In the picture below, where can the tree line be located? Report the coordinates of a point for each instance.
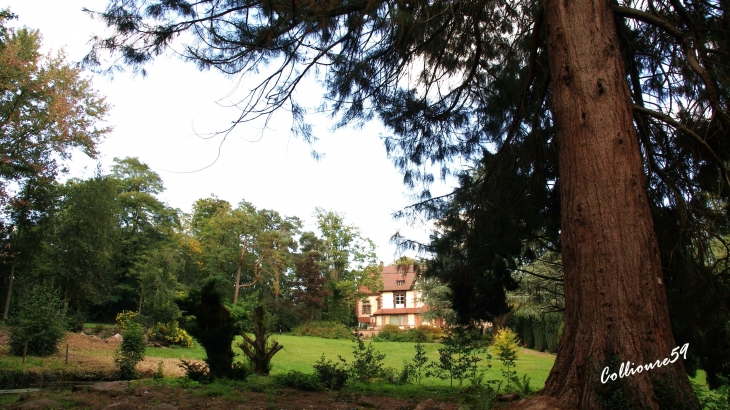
(108, 244)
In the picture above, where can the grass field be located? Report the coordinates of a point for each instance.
(301, 352)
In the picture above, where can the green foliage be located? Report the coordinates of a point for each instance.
(332, 375)
(159, 374)
(170, 333)
(260, 350)
(210, 323)
(82, 241)
(126, 318)
(458, 358)
(367, 362)
(327, 330)
(392, 333)
(505, 344)
(241, 311)
(298, 380)
(717, 399)
(48, 109)
(131, 351)
(239, 371)
(38, 320)
(419, 363)
(75, 320)
(196, 371)
(433, 332)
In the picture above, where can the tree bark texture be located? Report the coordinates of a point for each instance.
(615, 303)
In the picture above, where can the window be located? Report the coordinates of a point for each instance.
(366, 308)
(400, 283)
(398, 320)
(400, 299)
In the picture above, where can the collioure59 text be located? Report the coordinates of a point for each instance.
(627, 370)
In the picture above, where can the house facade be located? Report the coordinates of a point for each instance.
(399, 303)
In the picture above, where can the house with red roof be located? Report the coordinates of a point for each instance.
(399, 303)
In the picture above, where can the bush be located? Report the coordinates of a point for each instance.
(131, 351)
(195, 371)
(170, 333)
(125, 317)
(458, 358)
(298, 380)
(239, 371)
(433, 332)
(505, 344)
(330, 374)
(326, 330)
(391, 333)
(212, 326)
(75, 320)
(38, 320)
(416, 336)
(367, 362)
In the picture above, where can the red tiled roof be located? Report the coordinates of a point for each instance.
(401, 311)
(391, 276)
(363, 320)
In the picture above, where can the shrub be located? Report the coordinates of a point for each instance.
(331, 374)
(212, 326)
(367, 362)
(391, 333)
(326, 330)
(38, 320)
(458, 358)
(125, 317)
(170, 333)
(98, 328)
(418, 364)
(159, 374)
(433, 332)
(416, 336)
(195, 371)
(505, 344)
(131, 351)
(298, 380)
(75, 320)
(239, 371)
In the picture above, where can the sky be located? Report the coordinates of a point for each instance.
(165, 117)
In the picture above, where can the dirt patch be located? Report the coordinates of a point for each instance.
(145, 397)
(170, 368)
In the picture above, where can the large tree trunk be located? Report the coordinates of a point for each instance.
(615, 303)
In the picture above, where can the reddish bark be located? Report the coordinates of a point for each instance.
(615, 302)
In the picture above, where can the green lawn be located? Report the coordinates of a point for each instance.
(301, 352)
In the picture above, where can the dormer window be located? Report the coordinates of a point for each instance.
(400, 283)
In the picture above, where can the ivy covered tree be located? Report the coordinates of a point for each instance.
(610, 115)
